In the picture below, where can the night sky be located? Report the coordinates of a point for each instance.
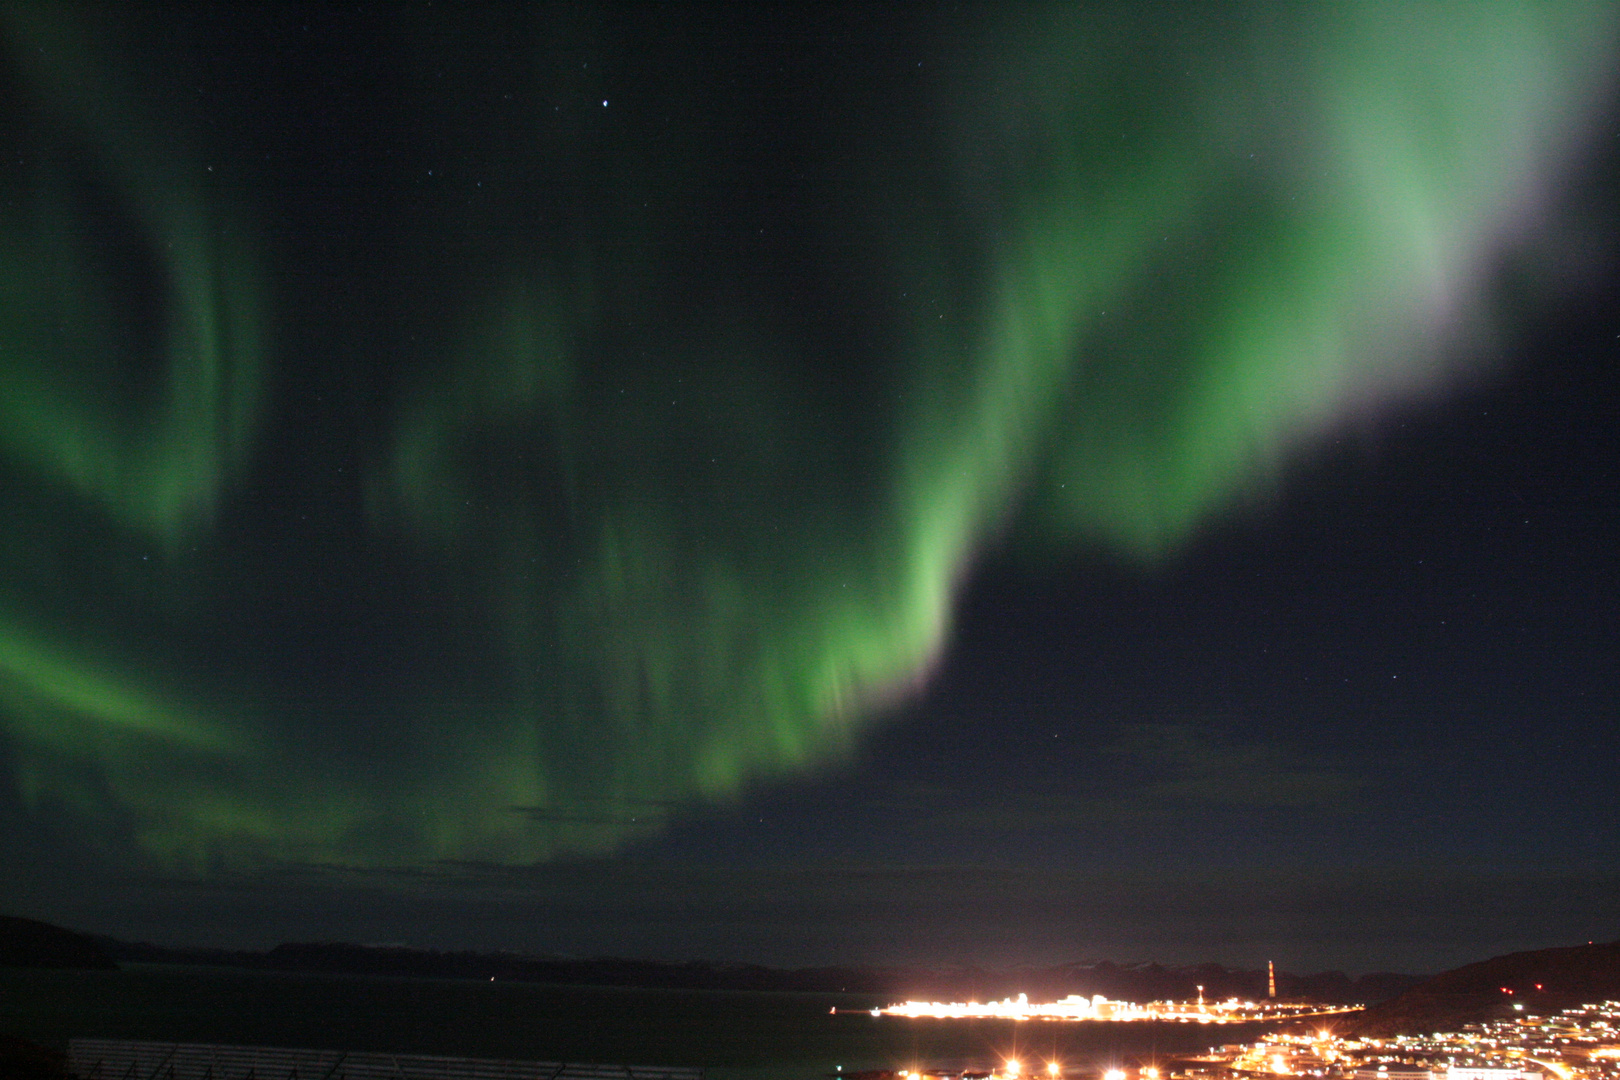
(803, 484)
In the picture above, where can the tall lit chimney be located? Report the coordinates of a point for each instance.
(1271, 979)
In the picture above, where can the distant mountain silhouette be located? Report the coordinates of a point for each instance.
(29, 943)
(34, 944)
(1130, 982)
(1156, 982)
(1542, 981)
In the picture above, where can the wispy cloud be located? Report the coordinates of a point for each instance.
(1147, 773)
(1192, 767)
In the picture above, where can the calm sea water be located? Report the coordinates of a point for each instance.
(734, 1035)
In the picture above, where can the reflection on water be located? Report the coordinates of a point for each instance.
(732, 1034)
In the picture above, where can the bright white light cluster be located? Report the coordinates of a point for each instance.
(1576, 1044)
(1097, 1007)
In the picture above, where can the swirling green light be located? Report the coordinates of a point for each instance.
(620, 550)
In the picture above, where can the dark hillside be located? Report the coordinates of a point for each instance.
(30, 943)
(1543, 981)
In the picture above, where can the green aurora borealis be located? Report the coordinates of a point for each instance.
(628, 443)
